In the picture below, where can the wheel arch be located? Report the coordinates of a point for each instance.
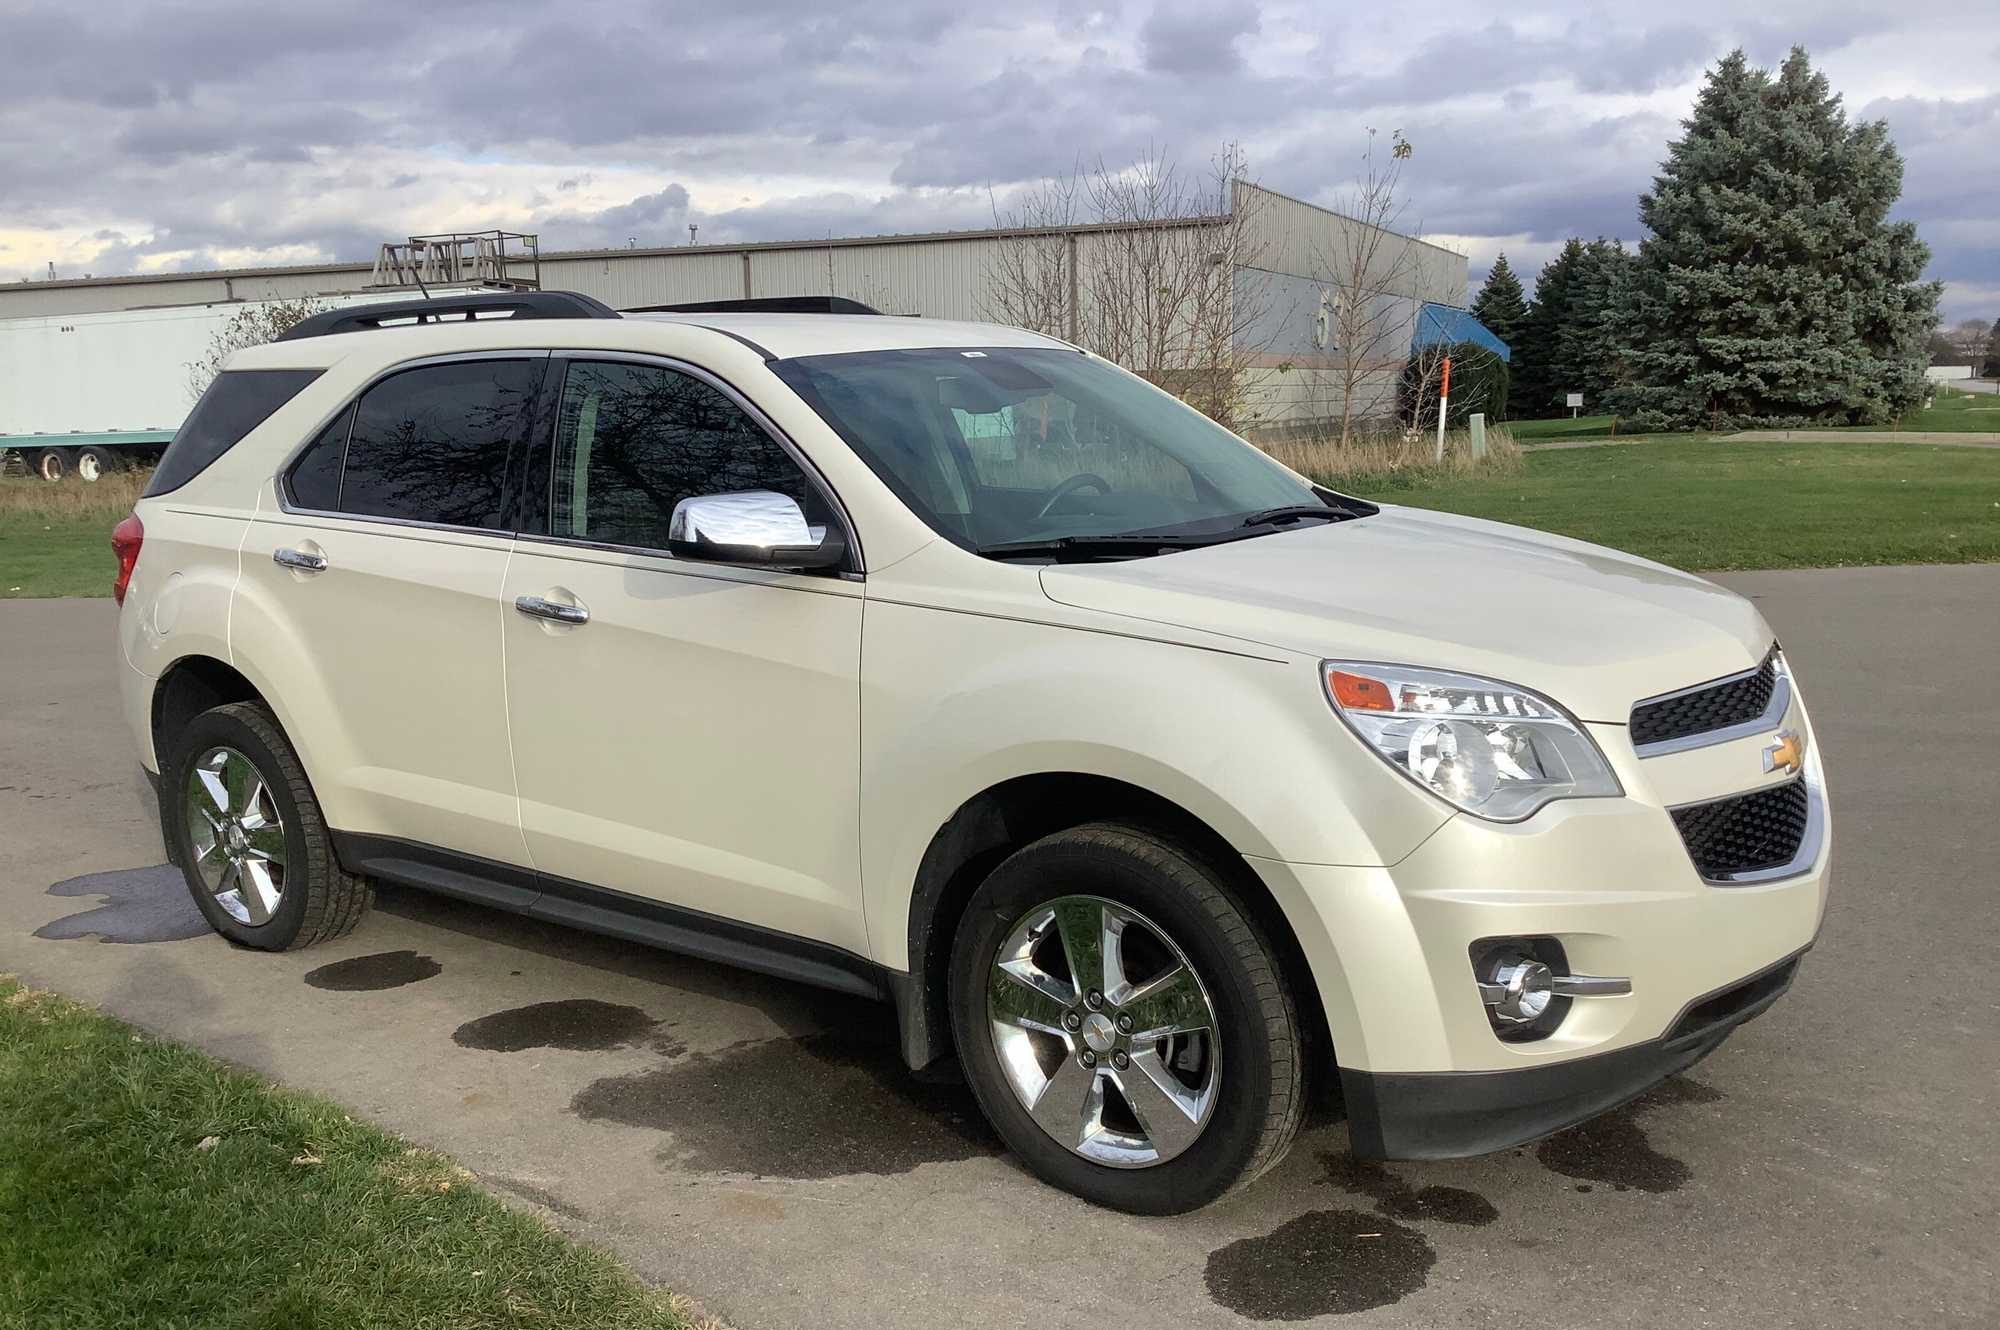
(191, 685)
(994, 823)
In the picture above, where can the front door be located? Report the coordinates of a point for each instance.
(684, 732)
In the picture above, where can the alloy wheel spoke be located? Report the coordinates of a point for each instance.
(1071, 1103)
(215, 787)
(1081, 922)
(255, 801)
(1168, 1112)
(267, 842)
(256, 889)
(1032, 999)
(241, 780)
(1172, 1003)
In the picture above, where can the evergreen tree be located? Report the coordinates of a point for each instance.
(1992, 352)
(1589, 347)
(1502, 305)
(1773, 289)
(1536, 389)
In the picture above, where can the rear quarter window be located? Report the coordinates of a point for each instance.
(237, 402)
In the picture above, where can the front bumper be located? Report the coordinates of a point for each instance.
(1448, 1115)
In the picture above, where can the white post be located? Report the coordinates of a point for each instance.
(1476, 423)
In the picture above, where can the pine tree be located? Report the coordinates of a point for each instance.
(1992, 352)
(1772, 288)
(1501, 306)
(1536, 387)
(1589, 348)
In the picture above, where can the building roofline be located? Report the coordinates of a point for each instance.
(644, 251)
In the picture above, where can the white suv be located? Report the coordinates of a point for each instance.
(952, 665)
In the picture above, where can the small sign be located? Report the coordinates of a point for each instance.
(1575, 400)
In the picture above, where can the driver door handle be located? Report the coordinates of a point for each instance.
(304, 561)
(541, 607)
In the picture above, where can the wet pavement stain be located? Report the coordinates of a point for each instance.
(541, 1196)
(1613, 1148)
(822, 1106)
(1399, 1200)
(578, 1025)
(368, 974)
(138, 905)
(1324, 1263)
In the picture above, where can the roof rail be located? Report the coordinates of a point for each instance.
(467, 308)
(763, 305)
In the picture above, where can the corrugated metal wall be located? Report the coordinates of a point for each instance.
(1291, 246)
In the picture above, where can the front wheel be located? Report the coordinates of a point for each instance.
(1122, 1021)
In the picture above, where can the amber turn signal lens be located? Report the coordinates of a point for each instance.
(1358, 692)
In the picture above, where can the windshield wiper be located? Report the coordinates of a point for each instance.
(1065, 549)
(1294, 512)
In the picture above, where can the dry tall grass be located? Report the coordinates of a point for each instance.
(1394, 459)
(109, 498)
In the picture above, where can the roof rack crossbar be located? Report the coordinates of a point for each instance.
(763, 305)
(466, 308)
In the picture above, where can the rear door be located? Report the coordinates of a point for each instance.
(374, 588)
(693, 736)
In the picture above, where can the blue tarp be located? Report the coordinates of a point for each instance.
(1446, 324)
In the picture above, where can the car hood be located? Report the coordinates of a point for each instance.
(1592, 628)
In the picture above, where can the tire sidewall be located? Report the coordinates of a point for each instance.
(1054, 868)
(220, 729)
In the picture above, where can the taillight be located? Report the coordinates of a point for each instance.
(126, 538)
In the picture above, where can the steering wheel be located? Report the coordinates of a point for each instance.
(1079, 481)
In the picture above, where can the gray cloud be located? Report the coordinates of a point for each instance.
(135, 133)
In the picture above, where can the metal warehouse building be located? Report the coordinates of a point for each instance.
(1277, 256)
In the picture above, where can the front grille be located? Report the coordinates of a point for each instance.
(1746, 832)
(1731, 702)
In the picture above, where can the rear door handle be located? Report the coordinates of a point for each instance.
(541, 607)
(300, 560)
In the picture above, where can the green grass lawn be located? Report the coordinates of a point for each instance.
(1541, 431)
(1709, 504)
(1952, 412)
(146, 1185)
(55, 540)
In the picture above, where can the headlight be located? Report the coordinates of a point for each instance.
(1488, 747)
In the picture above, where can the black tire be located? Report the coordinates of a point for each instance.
(320, 900)
(1260, 1096)
(51, 464)
(94, 463)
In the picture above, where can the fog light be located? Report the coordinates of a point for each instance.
(1518, 992)
(1526, 986)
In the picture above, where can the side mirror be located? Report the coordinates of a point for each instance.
(757, 528)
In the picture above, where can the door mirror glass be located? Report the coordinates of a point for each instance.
(757, 527)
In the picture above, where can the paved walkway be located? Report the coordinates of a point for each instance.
(1948, 438)
(757, 1145)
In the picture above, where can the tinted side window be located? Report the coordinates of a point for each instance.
(634, 440)
(431, 444)
(315, 478)
(237, 401)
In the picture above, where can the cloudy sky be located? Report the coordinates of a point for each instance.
(138, 137)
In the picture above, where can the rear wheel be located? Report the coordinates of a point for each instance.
(93, 463)
(243, 825)
(51, 464)
(1122, 1023)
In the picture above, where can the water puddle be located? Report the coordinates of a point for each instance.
(136, 905)
(368, 974)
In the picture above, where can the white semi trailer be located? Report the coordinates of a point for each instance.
(86, 394)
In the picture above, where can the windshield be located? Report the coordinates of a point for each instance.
(1007, 446)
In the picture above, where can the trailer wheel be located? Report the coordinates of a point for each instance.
(51, 464)
(93, 463)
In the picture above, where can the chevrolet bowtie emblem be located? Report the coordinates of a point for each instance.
(1788, 754)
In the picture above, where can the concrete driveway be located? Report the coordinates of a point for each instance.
(757, 1146)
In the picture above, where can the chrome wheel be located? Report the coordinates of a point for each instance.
(238, 835)
(1104, 1031)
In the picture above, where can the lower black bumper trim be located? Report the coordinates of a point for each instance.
(1453, 1114)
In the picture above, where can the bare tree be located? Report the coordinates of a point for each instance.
(1150, 265)
(253, 325)
(1375, 279)
(1968, 339)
